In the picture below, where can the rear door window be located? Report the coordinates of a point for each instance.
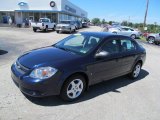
(127, 45)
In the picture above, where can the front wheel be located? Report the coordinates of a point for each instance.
(35, 30)
(151, 40)
(54, 28)
(133, 36)
(136, 71)
(46, 30)
(73, 88)
(157, 43)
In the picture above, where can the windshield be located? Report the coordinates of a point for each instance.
(65, 22)
(78, 43)
(43, 20)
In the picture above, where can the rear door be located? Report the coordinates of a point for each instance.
(128, 52)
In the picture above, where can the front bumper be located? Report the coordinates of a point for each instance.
(36, 88)
(40, 28)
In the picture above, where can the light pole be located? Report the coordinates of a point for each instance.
(146, 13)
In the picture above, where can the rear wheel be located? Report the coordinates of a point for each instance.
(115, 33)
(73, 88)
(57, 31)
(136, 71)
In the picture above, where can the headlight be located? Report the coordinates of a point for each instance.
(43, 72)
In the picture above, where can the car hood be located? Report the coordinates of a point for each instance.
(48, 56)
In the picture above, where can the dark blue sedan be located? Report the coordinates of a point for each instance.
(70, 66)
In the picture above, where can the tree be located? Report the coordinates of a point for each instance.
(103, 21)
(130, 24)
(96, 21)
(110, 22)
(124, 23)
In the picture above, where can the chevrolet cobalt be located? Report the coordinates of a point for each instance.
(70, 66)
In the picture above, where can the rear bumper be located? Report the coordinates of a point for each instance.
(36, 88)
(63, 29)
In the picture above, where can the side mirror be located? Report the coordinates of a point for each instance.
(101, 54)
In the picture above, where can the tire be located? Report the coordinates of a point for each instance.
(34, 30)
(70, 31)
(151, 40)
(57, 31)
(74, 30)
(133, 36)
(157, 43)
(46, 30)
(136, 71)
(73, 88)
(54, 28)
(114, 33)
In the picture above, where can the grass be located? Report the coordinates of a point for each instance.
(142, 38)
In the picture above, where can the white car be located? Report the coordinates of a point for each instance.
(127, 31)
(154, 38)
(66, 26)
(43, 24)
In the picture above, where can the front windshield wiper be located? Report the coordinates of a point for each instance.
(65, 49)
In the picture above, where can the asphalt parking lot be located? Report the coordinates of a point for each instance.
(118, 99)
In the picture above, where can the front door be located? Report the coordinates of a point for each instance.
(108, 67)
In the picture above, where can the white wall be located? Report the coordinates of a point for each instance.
(79, 11)
(11, 5)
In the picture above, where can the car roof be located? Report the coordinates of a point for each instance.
(103, 34)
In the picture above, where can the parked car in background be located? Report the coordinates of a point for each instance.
(154, 38)
(66, 26)
(43, 24)
(127, 31)
(78, 24)
(145, 34)
(70, 66)
(84, 24)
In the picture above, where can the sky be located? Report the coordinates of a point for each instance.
(120, 10)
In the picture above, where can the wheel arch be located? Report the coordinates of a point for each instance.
(140, 61)
(83, 74)
(151, 37)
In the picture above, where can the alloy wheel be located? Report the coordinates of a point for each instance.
(136, 70)
(75, 88)
(151, 40)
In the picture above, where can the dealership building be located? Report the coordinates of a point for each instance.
(57, 10)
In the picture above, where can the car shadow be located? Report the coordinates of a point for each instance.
(41, 31)
(94, 91)
(2, 52)
(69, 32)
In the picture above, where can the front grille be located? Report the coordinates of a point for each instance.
(21, 68)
